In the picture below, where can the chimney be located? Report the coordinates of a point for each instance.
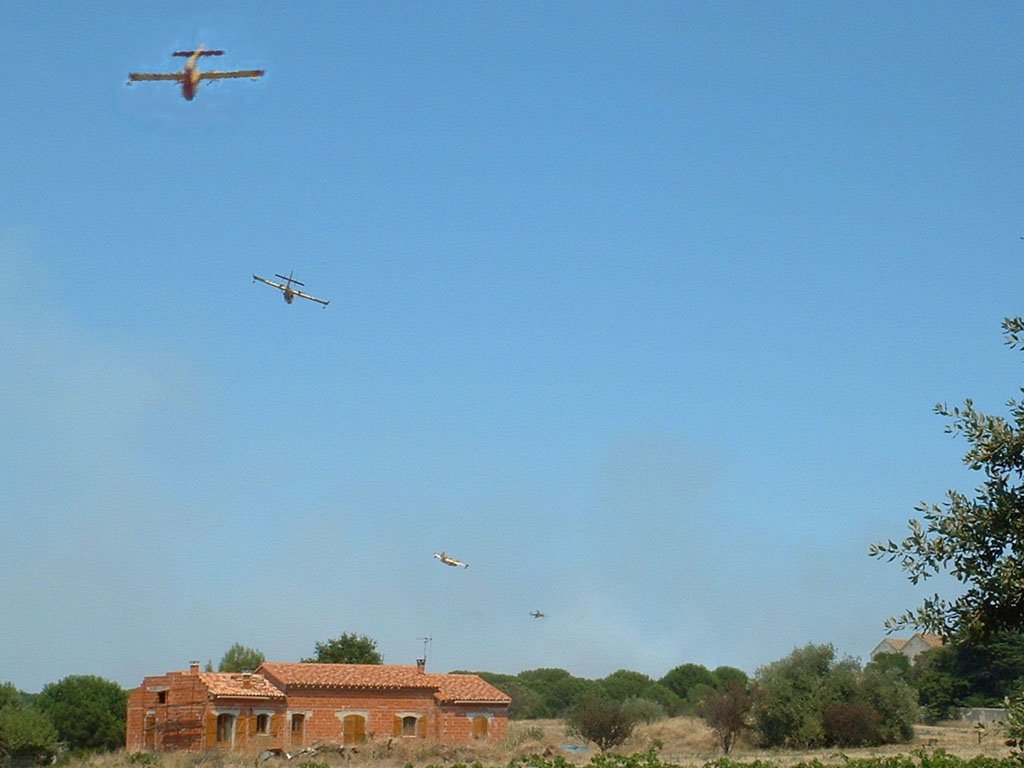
(247, 679)
(421, 665)
(193, 667)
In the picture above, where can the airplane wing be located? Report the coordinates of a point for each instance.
(269, 282)
(253, 73)
(156, 76)
(311, 298)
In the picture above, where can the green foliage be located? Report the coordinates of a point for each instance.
(897, 663)
(811, 700)
(970, 673)
(1013, 724)
(348, 649)
(145, 759)
(27, 732)
(600, 720)
(724, 675)
(312, 764)
(238, 658)
(894, 699)
(558, 690)
(9, 695)
(980, 540)
(88, 711)
(623, 684)
(641, 710)
(680, 680)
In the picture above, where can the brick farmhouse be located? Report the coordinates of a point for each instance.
(290, 706)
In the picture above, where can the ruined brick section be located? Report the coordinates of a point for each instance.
(290, 706)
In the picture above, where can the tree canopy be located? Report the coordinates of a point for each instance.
(238, 658)
(978, 540)
(350, 648)
(88, 711)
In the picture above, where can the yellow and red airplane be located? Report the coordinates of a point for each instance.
(447, 559)
(190, 76)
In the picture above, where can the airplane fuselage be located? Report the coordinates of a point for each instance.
(190, 83)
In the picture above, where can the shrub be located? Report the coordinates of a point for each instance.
(851, 725)
(641, 710)
(601, 721)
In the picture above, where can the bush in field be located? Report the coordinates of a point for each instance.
(795, 693)
(727, 713)
(641, 710)
(601, 721)
(851, 724)
(27, 732)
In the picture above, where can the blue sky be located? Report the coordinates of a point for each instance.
(639, 308)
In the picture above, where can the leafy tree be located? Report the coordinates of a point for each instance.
(640, 710)
(897, 663)
(88, 711)
(526, 703)
(723, 675)
(26, 732)
(979, 540)
(348, 649)
(727, 711)
(810, 699)
(939, 690)
(788, 708)
(600, 720)
(887, 692)
(680, 680)
(664, 696)
(238, 658)
(624, 684)
(9, 695)
(558, 689)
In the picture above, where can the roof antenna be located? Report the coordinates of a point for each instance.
(426, 642)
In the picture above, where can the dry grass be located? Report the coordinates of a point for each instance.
(680, 740)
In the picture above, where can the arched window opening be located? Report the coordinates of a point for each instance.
(225, 728)
(480, 727)
(263, 723)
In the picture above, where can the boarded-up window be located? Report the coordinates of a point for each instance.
(480, 727)
(353, 729)
(263, 723)
(225, 728)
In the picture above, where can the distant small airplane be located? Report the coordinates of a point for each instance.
(449, 560)
(190, 76)
(537, 614)
(289, 292)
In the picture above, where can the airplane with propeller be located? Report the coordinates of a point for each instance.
(190, 76)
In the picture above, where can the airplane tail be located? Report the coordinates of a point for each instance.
(200, 52)
(290, 279)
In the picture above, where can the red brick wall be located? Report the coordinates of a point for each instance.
(377, 707)
(185, 720)
(175, 723)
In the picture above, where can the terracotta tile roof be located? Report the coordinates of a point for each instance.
(933, 641)
(240, 685)
(895, 642)
(446, 688)
(463, 687)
